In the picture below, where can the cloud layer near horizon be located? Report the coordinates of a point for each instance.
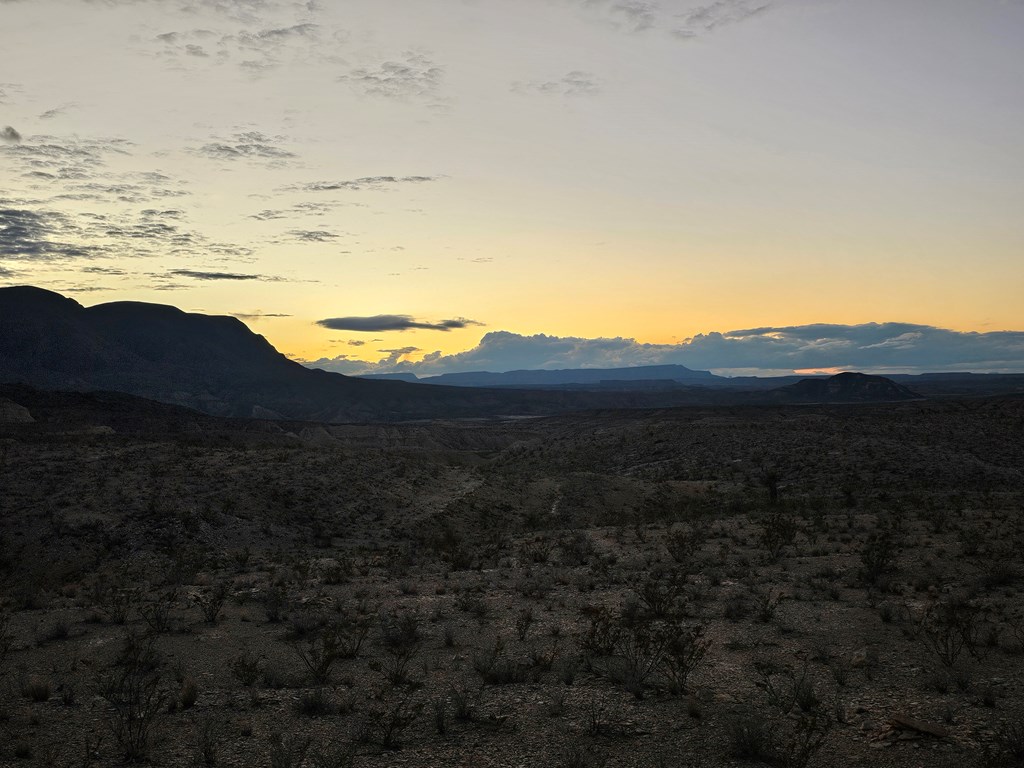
(880, 347)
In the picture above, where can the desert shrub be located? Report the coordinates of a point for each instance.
(638, 655)
(315, 703)
(275, 603)
(792, 729)
(662, 593)
(602, 635)
(338, 572)
(245, 668)
(1007, 747)
(156, 611)
(578, 756)
(388, 718)
(878, 555)
(188, 693)
(766, 602)
(469, 602)
(736, 608)
(779, 528)
(542, 655)
(524, 620)
(209, 733)
(287, 750)
(641, 651)
(333, 754)
(751, 736)
(465, 702)
(948, 627)
(682, 655)
(495, 668)
(36, 688)
(212, 601)
(535, 585)
(971, 541)
(340, 638)
(440, 709)
(576, 550)
(684, 543)
(401, 639)
(786, 688)
(135, 695)
(538, 551)
(6, 638)
(603, 716)
(318, 652)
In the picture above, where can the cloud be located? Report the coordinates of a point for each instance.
(246, 146)
(256, 316)
(206, 275)
(50, 114)
(625, 15)
(707, 18)
(312, 235)
(268, 215)
(9, 135)
(254, 51)
(413, 77)
(361, 184)
(378, 323)
(575, 83)
(39, 235)
(65, 176)
(877, 347)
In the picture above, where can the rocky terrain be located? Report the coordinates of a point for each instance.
(807, 585)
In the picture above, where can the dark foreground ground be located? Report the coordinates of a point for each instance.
(831, 586)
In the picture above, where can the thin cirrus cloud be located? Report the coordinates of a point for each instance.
(879, 347)
(312, 235)
(257, 316)
(374, 183)
(575, 83)
(624, 15)
(707, 18)
(636, 16)
(196, 274)
(380, 323)
(251, 145)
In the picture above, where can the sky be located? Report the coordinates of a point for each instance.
(399, 185)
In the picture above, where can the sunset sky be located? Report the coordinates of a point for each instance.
(430, 185)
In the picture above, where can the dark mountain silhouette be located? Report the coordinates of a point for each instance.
(213, 364)
(217, 365)
(643, 374)
(843, 388)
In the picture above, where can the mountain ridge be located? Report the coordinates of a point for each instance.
(217, 365)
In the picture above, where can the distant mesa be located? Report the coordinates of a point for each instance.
(643, 374)
(849, 387)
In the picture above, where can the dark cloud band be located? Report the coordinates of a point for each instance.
(378, 323)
